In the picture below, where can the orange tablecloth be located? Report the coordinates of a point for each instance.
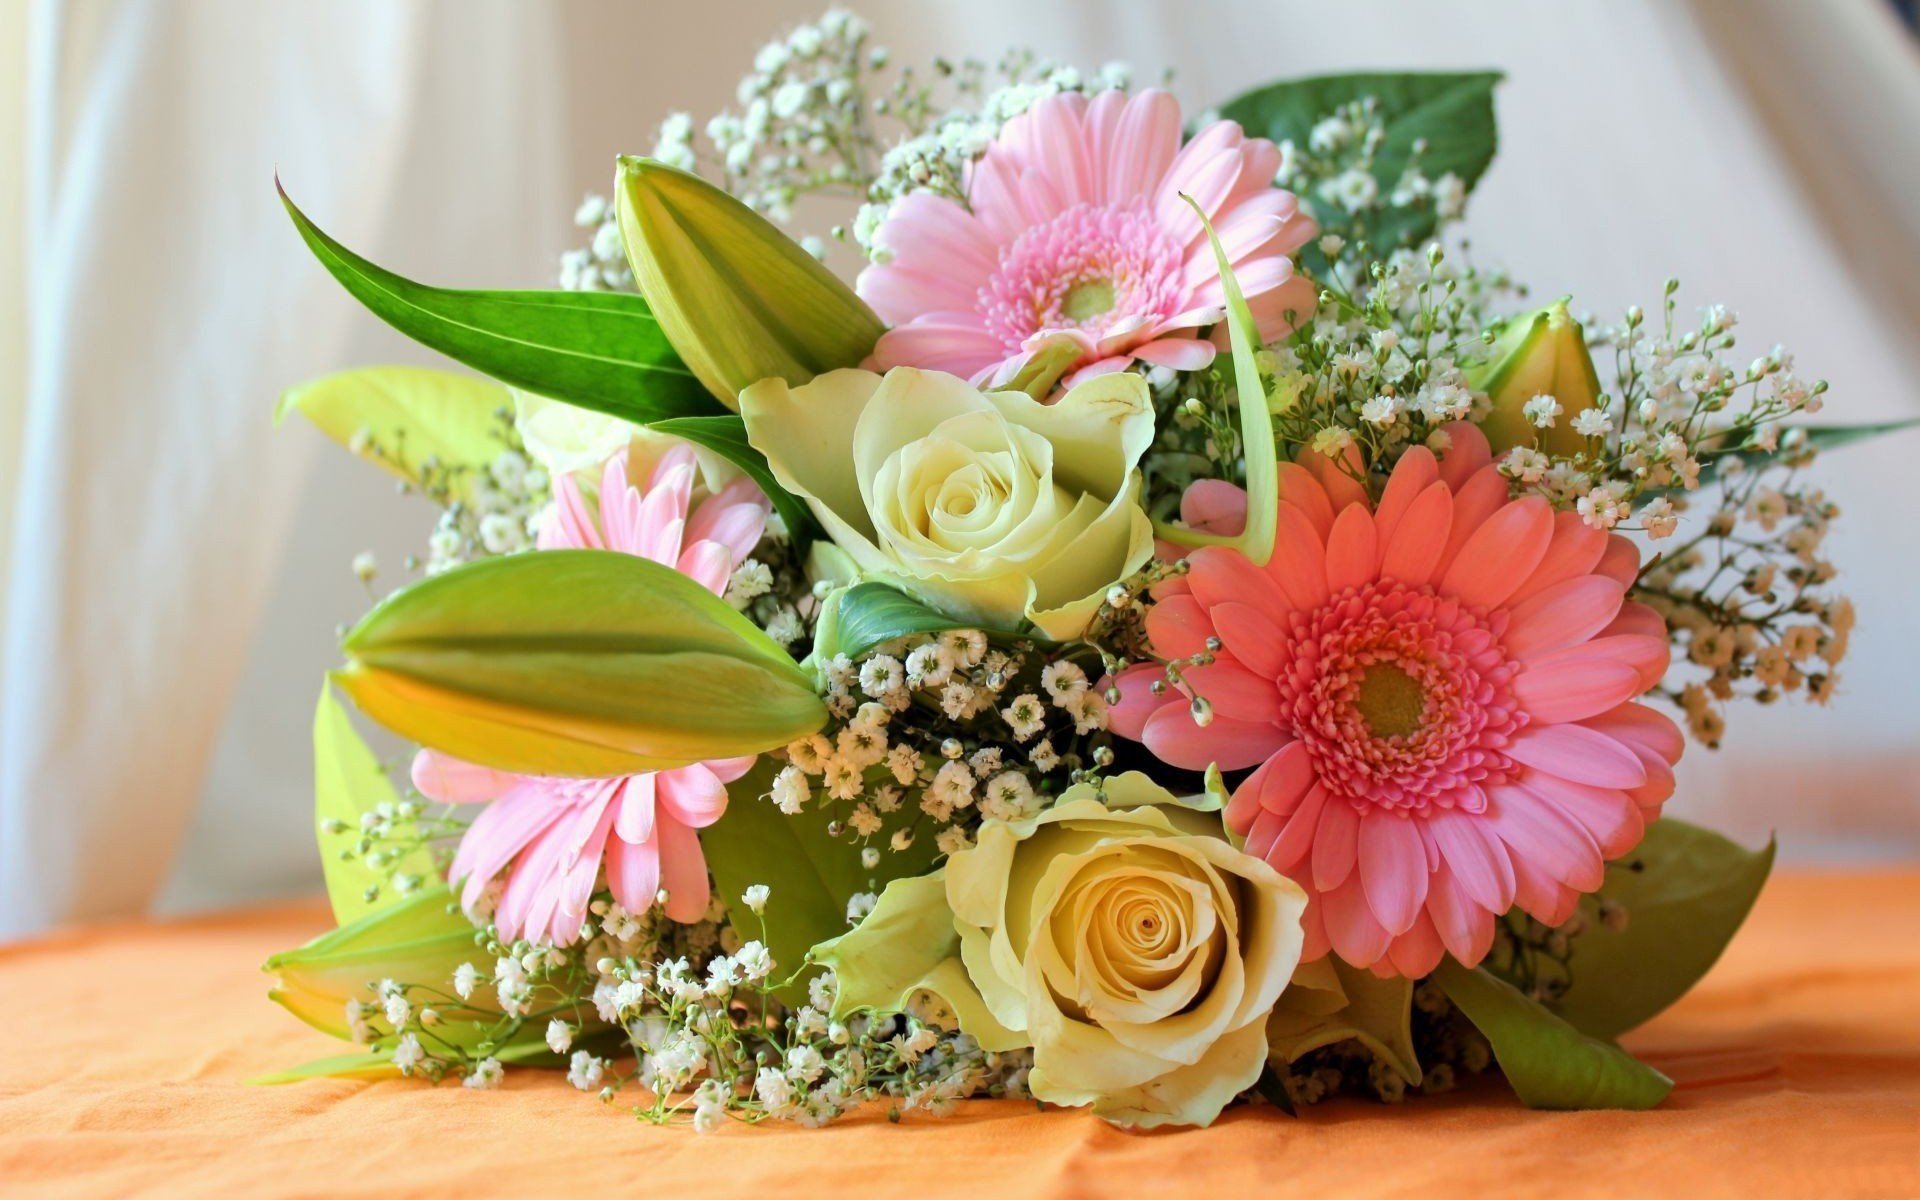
(1798, 1062)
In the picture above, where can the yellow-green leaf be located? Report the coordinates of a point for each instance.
(401, 417)
(349, 782)
(1685, 891)
(1328, 1001)
(1548, 1063)
(575, 662)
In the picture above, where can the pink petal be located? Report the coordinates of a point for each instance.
(1144, 144)
(1578, 753)
(1300, 488)
(1393, 867)
(1137, 701)
(1484, 494)
(1353, 550)
(567, 525)
(1253, 639)
(1235, 693)
(1419, 537)
(1477, 859)
(1299, 562)
(1178, 627)
(1465, 928)
(1621, 561)
(1214, 506)
(1542, 835)
(1501, 553)
(1231, 745)
(1219, 575)
(450, 780)
(1417, 951)
(634, 822)
(683, 872)
(1179, 354)
(1562, 615)
(1574, 551)
(633, 874)
(1336, 845)
(1468, 454)
(1416, 471)
(692, 795)
(1568, 689)
(1356, 933)
(1610, 818)
(708, 564)
(1289, 853)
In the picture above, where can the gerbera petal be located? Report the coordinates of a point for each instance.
(634, 820)
(1234, 692)
(1464, 926)
(1229, 744)
(450, 780)
(1578, 753)
(1501, 553)
(1417, 951)
(1393, 868)
(1336, 845)
(1298, 567)
(1416, 471)
(692, 795)
(1300, 488)
(1541, 834)
(1560, 689)
(1219, 575)
(1574, 551)
(1611, 819)
(1289, 854)
(1356, 933)
(1249, 635)
(1477, 859)
(1353, 550)
(1179, 626)
(633, 874)
(1483, 494)
(1419, 537)
(1468, 453)
(683, 872)
(1562, 615)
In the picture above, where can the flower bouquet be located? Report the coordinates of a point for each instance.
(1173, 632)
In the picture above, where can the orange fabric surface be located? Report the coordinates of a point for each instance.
(1798, 1063)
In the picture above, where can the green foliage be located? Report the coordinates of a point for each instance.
(1329, 1001)
(349, 782)
(1548, 1062)
(600, 350)
(726, 435)
(810, 872)
(1450, 112)
(867, 614)
(1685, 890)
(399, 418)
(1822, 437)
(575, 662)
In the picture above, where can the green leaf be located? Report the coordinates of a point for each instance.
(726, 435)
(1822, 437)
(399, 417)
(575, 662)
(348, 781)
(366, 1064)
(1548, 1062)
(869, 613)
(599, 350)
(1685, 890)
(1328, 1001)
(1451, 112)
(810, 873)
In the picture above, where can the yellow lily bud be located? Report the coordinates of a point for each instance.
(739, 300)
(1541, 353)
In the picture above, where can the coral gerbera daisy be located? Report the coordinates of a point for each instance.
(1437, 693)
(1075, 225)
(551, 837)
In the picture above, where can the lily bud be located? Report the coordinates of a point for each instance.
(422, 940)
(1541, 353)
(739, 300)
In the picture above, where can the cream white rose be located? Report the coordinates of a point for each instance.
(988, 505)
(1125, 940)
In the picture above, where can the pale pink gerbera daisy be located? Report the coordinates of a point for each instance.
(550, 837)
(1438, 693)
(1074, 225)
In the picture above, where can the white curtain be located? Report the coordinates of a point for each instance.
(179, 572)
(168, 303)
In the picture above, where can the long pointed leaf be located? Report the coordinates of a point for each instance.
(600, 350)
(726, 435)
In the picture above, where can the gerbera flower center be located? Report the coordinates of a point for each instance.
(1106, 271)
(1403, 697)
(1391, 700)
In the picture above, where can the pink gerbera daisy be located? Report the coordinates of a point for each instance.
(1074, 225)
(1437, 691)
(550, 837)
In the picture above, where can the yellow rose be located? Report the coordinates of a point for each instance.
(564, 438)
(1127, 942)
(988, 505)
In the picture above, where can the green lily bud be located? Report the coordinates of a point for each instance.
(739, 300)
(1541, 353)
(421, 940)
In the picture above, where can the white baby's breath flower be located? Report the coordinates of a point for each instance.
(755, 898)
